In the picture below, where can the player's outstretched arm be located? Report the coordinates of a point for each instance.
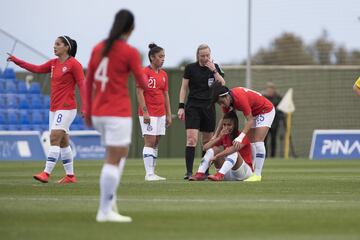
(43, 68)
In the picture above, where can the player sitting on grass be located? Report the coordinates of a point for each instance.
(234, 164)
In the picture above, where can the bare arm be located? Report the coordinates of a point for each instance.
(226, 152)
(249, 122)
(219, 78)
(168, 109)
(218, 128)
(182, 95)
(211, 143)
(215, 71)
(78, 74)
(142, 104)
(183, 90)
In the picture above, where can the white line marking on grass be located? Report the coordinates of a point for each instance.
(180, 200)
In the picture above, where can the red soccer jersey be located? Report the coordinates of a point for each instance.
(107, 79)
(157, 84)
(64, 77)
(245, 151)
(249, 101)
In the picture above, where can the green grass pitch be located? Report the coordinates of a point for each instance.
(297, 199)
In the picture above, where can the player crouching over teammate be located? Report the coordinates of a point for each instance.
(259, 114)
(233, 163)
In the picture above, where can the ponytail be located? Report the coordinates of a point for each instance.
(154, 49)
(123, 23)
(73, 48)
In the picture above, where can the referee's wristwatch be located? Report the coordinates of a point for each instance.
(215, 71)
(181, 105)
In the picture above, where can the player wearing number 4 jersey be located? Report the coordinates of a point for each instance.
(109, 107)
(259, 113)
(155, 115)
(66, 72)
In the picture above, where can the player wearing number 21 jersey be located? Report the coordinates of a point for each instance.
(155, 115)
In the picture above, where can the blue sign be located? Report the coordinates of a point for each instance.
(25, 145)
(335, 144)
(86, 145)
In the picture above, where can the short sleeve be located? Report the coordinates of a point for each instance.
(187, 72)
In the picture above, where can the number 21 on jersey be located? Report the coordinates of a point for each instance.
(101, 73)
(152, 82)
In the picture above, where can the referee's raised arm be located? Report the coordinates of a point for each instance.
(217, 71)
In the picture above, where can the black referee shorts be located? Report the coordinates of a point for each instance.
(200, 117)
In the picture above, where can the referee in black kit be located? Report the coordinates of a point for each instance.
(199, 112)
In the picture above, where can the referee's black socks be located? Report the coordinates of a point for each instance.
(189, 158)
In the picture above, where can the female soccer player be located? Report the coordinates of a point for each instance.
(259, 113)
(233, 164)
(66, 72)
(199, 113)
(155, 115)
(109, 106)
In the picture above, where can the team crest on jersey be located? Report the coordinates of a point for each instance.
(64, 69)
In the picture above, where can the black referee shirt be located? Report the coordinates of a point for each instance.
(200, 81)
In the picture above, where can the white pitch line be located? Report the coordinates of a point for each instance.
(180, 200)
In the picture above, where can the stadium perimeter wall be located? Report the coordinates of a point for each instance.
(323, 99)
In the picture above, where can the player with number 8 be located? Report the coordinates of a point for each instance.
(65, 72)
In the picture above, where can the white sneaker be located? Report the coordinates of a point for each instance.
(114, 207)
(154, 177)
(112, 217)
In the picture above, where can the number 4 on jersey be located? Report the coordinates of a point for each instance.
(101, 73)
